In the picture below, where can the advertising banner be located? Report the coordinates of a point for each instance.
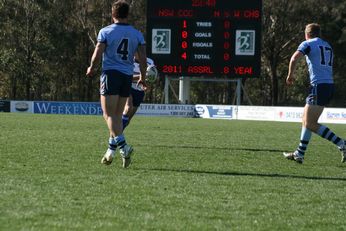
(5, 106)
(260, 113)
(255, 113)
(68, 108)
(177, 110)
(333, 115)
(214, 111)
(22, 106)
(289, 114)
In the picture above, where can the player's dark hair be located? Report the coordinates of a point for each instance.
(120, 9)
(313, 30)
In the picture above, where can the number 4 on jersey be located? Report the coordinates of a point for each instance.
(123, 49)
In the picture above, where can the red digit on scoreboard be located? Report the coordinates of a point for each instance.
(184, 34)
(227, 24)
(184, 24)
(226, 45)
(184, 56)
(226, 35)
(226, 56)
(184, 45)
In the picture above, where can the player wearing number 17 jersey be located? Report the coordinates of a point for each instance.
(319, 58)
(117, 43)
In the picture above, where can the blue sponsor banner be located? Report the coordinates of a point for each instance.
(68, 108)
(224, 112)
(214, 111)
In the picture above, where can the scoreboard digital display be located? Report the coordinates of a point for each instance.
(219, 38)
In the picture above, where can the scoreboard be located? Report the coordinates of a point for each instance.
(219, 38)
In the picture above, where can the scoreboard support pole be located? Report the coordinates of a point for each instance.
(238, 91)
(166, 89)
(184, 87)
(184, 90)
(169, 86)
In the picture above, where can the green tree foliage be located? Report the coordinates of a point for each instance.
(45, 48)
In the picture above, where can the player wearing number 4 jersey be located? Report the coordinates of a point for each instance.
(319, 58)
(118, 44)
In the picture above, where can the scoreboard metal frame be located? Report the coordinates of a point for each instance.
(219, 38)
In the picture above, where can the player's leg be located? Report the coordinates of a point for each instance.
(108, 104)
(112, 85)
(134, 102)
(305, 136)
(111, 142)
(119, 137)
(312, 112)
(109, 95)
(128, 116)
(319, 97)
(324, 132)
(127, 111)
(310, 124)
(133, 112)
(125, 149)
(324, 94)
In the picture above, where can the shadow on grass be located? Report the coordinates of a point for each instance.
(273, 175)
(215, 148)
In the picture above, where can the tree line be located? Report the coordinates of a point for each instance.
(45, 48)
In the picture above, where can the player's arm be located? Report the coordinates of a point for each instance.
(96, 57)
(142, 60)
(292, 66)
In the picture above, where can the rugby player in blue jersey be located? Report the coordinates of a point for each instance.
(117, 44)
(319, 58)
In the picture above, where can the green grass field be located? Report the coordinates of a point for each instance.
(187, 174)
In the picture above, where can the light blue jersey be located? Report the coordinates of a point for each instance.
(319, 57)
(122, 41)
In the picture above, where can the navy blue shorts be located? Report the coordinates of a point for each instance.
(114, 82)
(320, 94)
(137, 97)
